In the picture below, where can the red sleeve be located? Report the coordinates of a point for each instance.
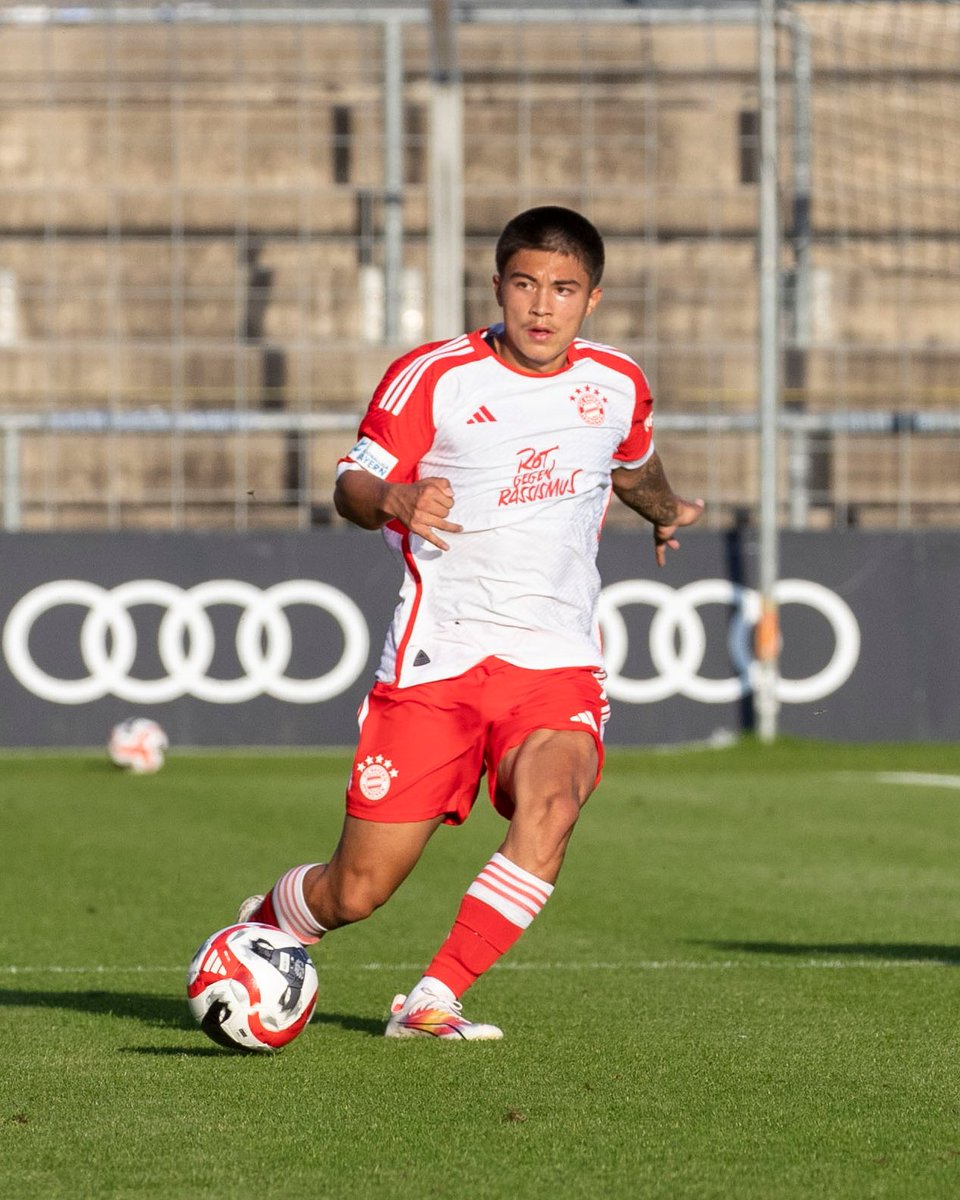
(636, 445)
(397, 429)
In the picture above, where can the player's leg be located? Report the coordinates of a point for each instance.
(549, 777)
(418, 762)
(542, 776)
(370, 862)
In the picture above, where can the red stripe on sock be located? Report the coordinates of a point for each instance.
(508, 879)
(485, 880)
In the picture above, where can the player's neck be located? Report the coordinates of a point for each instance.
(519, 362)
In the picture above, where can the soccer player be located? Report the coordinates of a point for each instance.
(488, 462)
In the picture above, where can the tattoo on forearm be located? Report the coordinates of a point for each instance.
(650, 495)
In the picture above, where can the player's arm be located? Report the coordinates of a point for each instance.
(422, 507)
(645, 489)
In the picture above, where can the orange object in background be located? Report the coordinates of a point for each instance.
(766, 636)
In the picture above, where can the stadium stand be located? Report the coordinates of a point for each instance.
(193, 219)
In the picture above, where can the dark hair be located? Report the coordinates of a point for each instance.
(559, 230)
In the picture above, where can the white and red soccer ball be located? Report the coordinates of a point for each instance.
(252, 987)
(138, 745)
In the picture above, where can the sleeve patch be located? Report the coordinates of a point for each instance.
(373, 458)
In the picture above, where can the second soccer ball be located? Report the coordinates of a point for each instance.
(139, 745)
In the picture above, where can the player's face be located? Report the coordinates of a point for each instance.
(545, 298)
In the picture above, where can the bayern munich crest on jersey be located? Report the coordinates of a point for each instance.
(375, 776)
(591, 405)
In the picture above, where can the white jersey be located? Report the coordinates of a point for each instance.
(529, 458)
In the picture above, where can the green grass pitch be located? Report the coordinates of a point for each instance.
(744, 987)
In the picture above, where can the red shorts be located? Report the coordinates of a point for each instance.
(423, 750)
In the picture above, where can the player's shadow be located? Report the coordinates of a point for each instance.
(349, 1022)
(891, 951)
(168, 1012)
(164, 1012)
(183, 1051)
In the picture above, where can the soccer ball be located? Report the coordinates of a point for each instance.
(252, 987)
(138, 745)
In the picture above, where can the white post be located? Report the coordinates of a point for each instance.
(767, 645)
(392, 179)
(802, 182)
(446, 178)
(11, 479)
(8, 307)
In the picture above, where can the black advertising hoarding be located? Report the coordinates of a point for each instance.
(273, 639)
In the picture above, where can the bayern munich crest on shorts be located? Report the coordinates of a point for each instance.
(375, 774)
(591, 405)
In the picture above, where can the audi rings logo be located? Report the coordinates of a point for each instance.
(264, 641)
(186, 641)
(678, 640)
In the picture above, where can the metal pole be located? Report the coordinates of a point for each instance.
(446, 178)
(767, 647)
(801, 238)
(392, 179)
(802, 180)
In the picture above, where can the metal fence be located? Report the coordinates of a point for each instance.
(226, 209)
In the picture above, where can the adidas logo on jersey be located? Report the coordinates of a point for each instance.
(585, 718)
(481, 416)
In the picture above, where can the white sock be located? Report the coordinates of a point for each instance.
(435, 987)
(291, 908)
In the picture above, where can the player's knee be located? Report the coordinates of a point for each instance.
(352, 899)
(358, 902)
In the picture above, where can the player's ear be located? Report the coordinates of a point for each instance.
(498, 290)
(594, 299)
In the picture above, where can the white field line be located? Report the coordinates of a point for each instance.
(784, 964)
(904, 778)
(918, 777)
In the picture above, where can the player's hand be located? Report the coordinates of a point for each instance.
(688, 512)
(423, 507)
